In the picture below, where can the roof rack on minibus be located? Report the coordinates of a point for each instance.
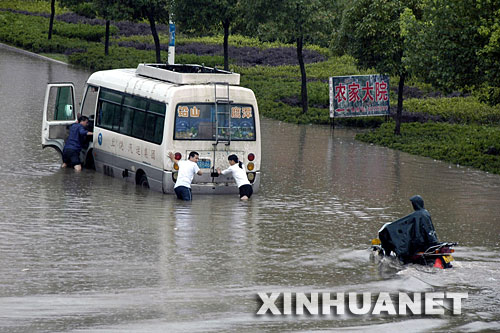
(187, 74)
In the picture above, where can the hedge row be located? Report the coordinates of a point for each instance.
(34, 6)
(30, 33)
(126, 57)
(94, 33)
(468, 145)
(463, 110)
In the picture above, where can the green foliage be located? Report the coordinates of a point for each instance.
(443, 43)
(30, 33)
(464, 110)
(119, 57)
(205, 16)
(370, 32)
(87, 32)
(85, 9)
(234, 40)
(285, 21)
(468, 145)
(126, 57)
(34, 6)
(489, 54)
(336, 66)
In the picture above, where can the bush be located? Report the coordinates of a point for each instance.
(119, 57)
(468, 145)
(126, 57)
(94, 33)
(463, 110)
(30, 33)
(34, 6)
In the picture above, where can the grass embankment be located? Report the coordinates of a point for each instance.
(467, 132)
(459, 130)
(468, 145)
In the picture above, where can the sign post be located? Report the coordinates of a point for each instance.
(359, 95)
(171, 44)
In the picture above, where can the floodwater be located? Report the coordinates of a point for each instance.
(89, 253)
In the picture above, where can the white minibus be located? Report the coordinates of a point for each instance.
(140, 115)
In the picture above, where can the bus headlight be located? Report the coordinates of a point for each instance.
(176, 167)
(250, 166)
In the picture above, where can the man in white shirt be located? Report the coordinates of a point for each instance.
(187, 170)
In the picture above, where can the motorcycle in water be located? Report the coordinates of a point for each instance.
(438, 255)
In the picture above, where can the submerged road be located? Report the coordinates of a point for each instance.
(87, 252)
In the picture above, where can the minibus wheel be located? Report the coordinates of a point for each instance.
(89, 161)
(143, 181)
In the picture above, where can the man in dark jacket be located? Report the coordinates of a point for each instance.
(73, 145)
(410, 234)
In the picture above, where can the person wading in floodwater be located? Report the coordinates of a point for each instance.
(74, 143)
(240, 176)
(187, 170)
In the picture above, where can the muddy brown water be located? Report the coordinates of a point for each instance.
(87, 252)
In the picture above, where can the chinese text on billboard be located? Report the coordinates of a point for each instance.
(359, 95)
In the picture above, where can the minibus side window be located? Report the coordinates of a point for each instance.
(156, 115)
(131, 115)
(90, 100)
(126, 118)
(138, 124)
(109, 103)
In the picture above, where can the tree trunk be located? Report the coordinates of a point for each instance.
(52, 15)
(106, 40)
(225, 24)
(300, 57)
(155, 36)
(399, 111)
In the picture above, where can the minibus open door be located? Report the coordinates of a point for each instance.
(58, 114)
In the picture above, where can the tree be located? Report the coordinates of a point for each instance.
(443, 43)
(294, 21)
(489, 54)
(455, 45)
(52, 15)
(371, 33)
(202, 16)
(111, 10)
(153, 11)
(106, 9)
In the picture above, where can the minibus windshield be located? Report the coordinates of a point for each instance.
(199, 122)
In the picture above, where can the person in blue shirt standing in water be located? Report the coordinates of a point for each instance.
(73, 145)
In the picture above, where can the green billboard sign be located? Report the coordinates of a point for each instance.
(359, 95)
